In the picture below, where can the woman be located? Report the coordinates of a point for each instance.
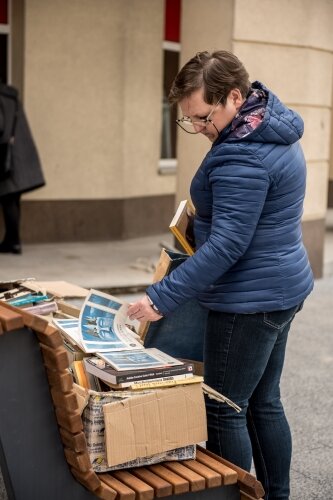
(250, 268)
(25, 170)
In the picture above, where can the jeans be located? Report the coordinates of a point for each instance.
(244, 356)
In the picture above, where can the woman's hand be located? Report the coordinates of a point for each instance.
(142, 311)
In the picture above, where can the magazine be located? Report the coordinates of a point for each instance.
(138, 360)
(103, 325)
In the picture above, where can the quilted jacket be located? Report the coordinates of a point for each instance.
(248, 194)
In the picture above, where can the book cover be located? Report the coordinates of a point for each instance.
(105, 372)
(138, 360)
(182, 227)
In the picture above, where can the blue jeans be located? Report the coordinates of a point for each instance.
(244, 356)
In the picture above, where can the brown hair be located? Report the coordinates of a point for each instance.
(217, 73)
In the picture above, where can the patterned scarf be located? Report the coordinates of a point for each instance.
(250, 115)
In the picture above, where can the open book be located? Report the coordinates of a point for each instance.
(103, 325)
(182, 226)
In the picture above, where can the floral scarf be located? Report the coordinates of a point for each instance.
(250, 115)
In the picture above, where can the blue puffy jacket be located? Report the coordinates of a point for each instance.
(248, 194)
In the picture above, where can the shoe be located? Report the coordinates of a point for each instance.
(10, 248)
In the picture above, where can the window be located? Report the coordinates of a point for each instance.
(171, 52)
(5, 69)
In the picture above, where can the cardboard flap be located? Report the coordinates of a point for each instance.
(82, 396)
(61, 289)
(152, 423)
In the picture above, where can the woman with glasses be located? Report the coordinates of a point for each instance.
(250, 268)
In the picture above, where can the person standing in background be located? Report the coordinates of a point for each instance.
(24, 168)
(250, 269)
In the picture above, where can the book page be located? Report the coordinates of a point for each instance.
(102, 324)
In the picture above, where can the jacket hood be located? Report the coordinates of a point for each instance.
(278, 124)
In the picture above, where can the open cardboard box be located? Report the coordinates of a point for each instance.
(153, 423)
(125, 429)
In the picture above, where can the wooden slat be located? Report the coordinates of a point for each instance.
(34, 322)
(76, 442)
(179, 484)
(196, 481)
(10, 320)
(89, 479)
(213, 478)
(50, 336)
(123, 491)
(161, 487)
(1, 329)
(56, 359)
(68, 400)
(105, 492)
(143, 491)
(80, 461)
(245, 496)
(247, 482)
(229, 476)
(61, 380)
(69, 421)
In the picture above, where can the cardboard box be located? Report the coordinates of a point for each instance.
(183, 407)
(153, 423)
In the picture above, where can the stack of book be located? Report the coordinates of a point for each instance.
(163, 376)
(34, 301)
(106, 351)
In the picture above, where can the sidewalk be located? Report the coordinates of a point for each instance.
(114, 265)
(125, 268)
(126, 265)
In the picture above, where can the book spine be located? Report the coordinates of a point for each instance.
(130, 385)
(172, 370)
(165, 383)
(186, 246)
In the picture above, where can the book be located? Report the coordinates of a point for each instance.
(102, 325)
(168, 382)
(79, 374)
(96, 366)
(182, 226)
(161, 270)
(138, 360)
(74, 352)
(151, 383)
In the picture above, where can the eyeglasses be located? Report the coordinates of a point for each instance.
(196, 126)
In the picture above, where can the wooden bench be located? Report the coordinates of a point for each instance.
(36, 435)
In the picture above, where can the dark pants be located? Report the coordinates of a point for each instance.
(11, 214)
(244, 356)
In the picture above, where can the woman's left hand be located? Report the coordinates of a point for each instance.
(142, 311)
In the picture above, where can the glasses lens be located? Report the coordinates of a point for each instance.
(191, 127)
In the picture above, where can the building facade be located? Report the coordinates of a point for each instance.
(93, 77)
